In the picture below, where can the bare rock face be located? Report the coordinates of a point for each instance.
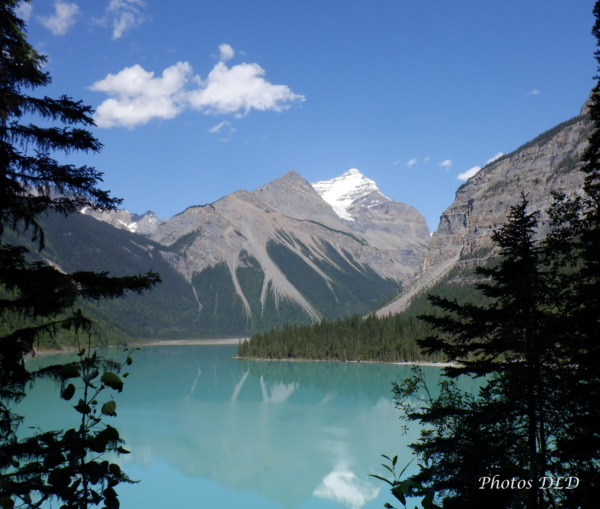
(293, 196)
(548, 163)
(144, 224)
(585, 109)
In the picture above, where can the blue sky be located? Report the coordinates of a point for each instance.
(412, 93)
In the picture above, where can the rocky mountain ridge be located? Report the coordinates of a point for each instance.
(296, 250)
(281, 253)
(549, 162)
(144, 224)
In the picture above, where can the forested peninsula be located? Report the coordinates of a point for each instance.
(391, 338)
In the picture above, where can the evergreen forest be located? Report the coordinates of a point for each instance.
(391, 338)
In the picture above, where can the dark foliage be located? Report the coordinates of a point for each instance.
(65, 466)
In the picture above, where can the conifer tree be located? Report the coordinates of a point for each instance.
(68, 467)
(537, 415)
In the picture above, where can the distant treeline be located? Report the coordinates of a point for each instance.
(390, 338)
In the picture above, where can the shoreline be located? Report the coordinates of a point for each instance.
(410, 363)
(157, 342)
(193, 342)
(235, 341)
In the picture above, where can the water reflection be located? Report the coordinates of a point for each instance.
(344, 487)
(292, 432)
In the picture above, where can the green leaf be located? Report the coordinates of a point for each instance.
(388, 506)
(111, 433)
(69, 371)
(404, 469)
(53, 459)
(129, 361)
(112, 380)
(381, 478)
(385, 466)
(114, 469)
(82, 407)
(59, 477)
(394, 461)
(68, 393)
(112, 502)
(109, 492)
(427, 501)
(399, 494)
(98, 444)
(109, 408)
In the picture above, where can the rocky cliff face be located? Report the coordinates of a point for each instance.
(549, 162)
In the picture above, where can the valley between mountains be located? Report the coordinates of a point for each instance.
(292, 251)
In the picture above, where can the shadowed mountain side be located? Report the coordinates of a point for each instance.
(81, 243)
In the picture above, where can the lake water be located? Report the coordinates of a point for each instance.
(210, 431)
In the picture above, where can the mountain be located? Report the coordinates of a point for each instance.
(549, 162)
(385, 223)
(245, 263)
(280, 253)
(81, 243)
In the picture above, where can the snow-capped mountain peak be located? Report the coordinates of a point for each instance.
(342, 191)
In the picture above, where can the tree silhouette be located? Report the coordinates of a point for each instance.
(65, 466)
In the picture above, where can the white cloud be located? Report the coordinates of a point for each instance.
(227, 52)
(24, 11)
(126, 14)
(396, 162)
(534, 92)
(64, 17)
(492, 159)
(239, 89)
(224, 124)
(473, 171)
(469, 173)
(447, 164)
(137, 96)
(411, 163)
(427, 159)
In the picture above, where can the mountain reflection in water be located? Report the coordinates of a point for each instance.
(298, 434)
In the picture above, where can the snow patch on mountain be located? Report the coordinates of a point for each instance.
(344, 190)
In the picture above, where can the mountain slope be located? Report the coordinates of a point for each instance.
(82, 243)
(272, 261)
(246, 263)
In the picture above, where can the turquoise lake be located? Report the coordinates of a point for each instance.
(210, 431)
